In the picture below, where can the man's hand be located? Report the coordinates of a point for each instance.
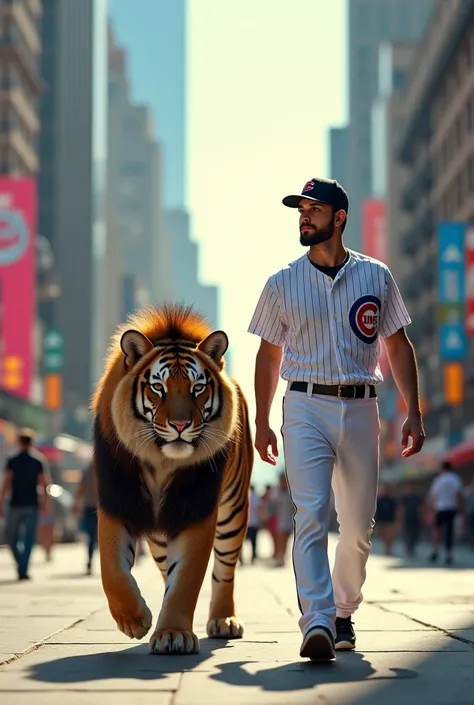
(265, 437)
(412, 428)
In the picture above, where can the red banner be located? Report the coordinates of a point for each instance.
(374, 244)
(17, 283)
(374, 230)
(469, 264)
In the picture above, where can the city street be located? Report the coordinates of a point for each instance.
(415, 640)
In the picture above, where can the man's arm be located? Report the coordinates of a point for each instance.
(44, 480)
(402, 360)
(267, 370)
(6, 488)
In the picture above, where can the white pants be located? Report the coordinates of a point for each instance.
(330, 441)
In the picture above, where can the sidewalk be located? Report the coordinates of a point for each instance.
(415, 641)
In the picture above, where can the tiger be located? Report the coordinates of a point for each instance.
(172, 458)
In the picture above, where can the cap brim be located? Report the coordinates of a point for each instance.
(294, 201)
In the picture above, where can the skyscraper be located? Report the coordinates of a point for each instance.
(135, 185)
(370, 23)
(72, 181)
(156, 41)
(20, 49)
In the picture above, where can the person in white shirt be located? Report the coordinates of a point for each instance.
(320, 321)
(446, 498)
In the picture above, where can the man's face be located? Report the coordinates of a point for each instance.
(316, 222)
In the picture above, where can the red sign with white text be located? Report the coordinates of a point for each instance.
(469, 264)
(374, 244)
(17, 283)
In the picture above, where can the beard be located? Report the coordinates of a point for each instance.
(318, 235)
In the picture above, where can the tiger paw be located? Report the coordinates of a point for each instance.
(134, 621)
(174, 641)
(225, 628)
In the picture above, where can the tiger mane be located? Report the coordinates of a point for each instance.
(166, 322)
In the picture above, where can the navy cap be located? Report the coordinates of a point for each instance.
(323, 191)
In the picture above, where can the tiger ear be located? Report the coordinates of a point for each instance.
(214, 346)
(134, 346)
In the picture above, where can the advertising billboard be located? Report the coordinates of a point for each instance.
(469, 274)
(17, 283)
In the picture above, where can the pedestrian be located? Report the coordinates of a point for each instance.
(445, 496)
(411, 505)
(469, 504)
(284, 516)
(26, 472)
(320, 320)
(386, 517)
(86, 499)
(253, 523)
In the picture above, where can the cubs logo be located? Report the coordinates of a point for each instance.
(364, 318)
(309, 185)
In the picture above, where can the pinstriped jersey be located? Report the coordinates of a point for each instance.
(330, 329)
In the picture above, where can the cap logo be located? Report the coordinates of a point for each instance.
(309, 186)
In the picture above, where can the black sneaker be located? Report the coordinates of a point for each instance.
(345, 635)
(318, 645)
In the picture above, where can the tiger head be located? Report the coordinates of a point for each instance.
(174, 401)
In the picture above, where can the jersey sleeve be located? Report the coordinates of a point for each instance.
(394, 312)
(267, 321)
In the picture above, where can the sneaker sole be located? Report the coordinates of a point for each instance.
(345, 646)
(318, 647)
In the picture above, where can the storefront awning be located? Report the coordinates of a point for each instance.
(461, 454)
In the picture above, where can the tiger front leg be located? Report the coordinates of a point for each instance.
(187, 560)
(117, 556)
(231, 531)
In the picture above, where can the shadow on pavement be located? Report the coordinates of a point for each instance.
(135, 663)
(304, 675)
(123, 665)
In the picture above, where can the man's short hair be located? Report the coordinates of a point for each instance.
(26, 436)
(447, 465)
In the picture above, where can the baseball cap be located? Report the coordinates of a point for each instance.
(323, 191)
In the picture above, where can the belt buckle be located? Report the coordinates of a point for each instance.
(342, 387)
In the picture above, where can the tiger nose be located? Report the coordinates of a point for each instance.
(179, 425)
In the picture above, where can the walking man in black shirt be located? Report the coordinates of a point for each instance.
(24, 473)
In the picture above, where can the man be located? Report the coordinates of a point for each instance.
(320, 319)
(86, 497)
(386, 517)
(446, 499)
(412, 517)
(25, 472)
(284, 513)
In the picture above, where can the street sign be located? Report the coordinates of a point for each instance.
(53, 351)
(451, 283)
(453, 344)
(451, 291)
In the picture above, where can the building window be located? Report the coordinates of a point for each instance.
(399, 79)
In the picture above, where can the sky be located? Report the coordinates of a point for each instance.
(265, 81)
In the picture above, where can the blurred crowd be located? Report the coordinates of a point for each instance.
(442, 515)
(271, 511)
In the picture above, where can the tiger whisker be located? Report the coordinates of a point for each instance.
(211, 460)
